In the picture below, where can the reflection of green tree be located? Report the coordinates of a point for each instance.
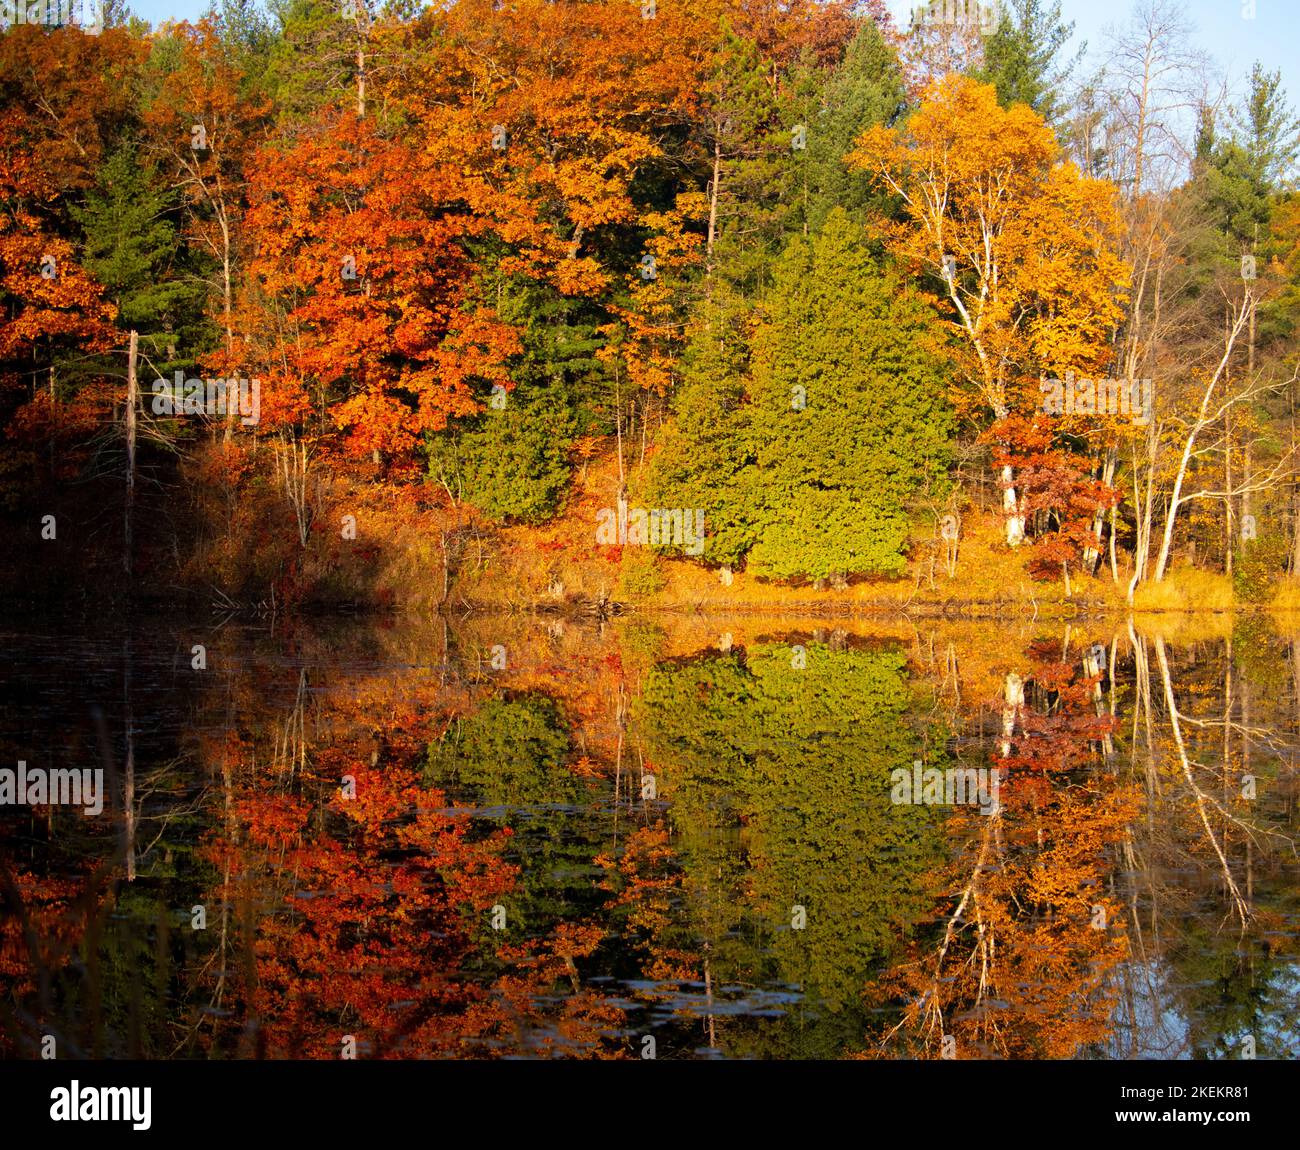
(1223, 984)
(779, 780)
(509, 753)
(1232, 987)
(510, 757)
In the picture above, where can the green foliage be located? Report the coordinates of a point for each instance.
(1260, 564)
(1270, 128)
(866, 89)
(768, 188)
(511, 463)
(1020, 56)
(808, 466)
(246, 31)
(132, 246)
(511, 752)
(509, 759)
(779, 779)
(641, 575)
(751, 133)
(705, 460)
(311, 63)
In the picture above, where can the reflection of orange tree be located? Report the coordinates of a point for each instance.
(648, 879)
(369, 916)
(578, 1023)
(372, 907)
(649, 884)
(1021, 962)
(43, 922)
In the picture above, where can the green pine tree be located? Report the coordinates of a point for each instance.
(866, 89)
(848, 416)
(1021, 56)
(133, 247)
(805, 464)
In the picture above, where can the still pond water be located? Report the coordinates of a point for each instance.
(681, 838)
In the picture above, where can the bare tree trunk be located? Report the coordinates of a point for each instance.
(1227, 494)
(1011, 506)
(618, 427)
(1246, 444)
(1295, 495)
(1197, 426)
(361, 82)
(1092, 555)
(713, 204)
(227, 303)
(294, 469)
(1114, 528)
(131, 400)
(51, 418)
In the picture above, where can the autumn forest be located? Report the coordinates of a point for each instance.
(646, 529)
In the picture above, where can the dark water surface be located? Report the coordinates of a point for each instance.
(504, 837)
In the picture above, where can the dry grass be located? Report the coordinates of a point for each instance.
(1186, 589)
(1287, 596)
(396, 561)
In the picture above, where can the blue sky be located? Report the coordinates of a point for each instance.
(1223, 28)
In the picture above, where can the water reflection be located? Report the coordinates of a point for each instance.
(674, 837)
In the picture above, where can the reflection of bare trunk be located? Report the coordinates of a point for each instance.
(290, 753)
(1295, 495)
(227, 790)
(1227, 711)
(128, 801)
(1092, 660)
(1227, 494)
(708, 998)
(1142, 721)
(1015, 696)
(1295, 679)
(930, 1008)
(1238, 902)
(1245, 740)
(1114, 646)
